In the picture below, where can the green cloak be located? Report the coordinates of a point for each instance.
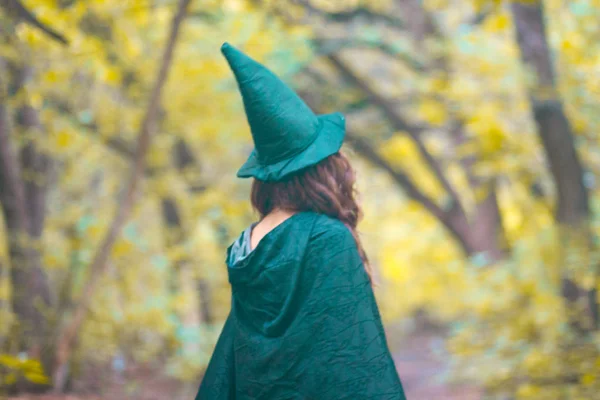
(304, 323)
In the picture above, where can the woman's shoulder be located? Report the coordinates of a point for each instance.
(331, 245)
(325, 229)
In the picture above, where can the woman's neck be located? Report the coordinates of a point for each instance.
(267, 224)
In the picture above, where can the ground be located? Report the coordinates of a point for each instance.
(420, 369)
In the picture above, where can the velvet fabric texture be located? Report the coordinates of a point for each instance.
(287, 135)
(304, 324)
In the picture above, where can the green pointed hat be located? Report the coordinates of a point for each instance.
(287, 134)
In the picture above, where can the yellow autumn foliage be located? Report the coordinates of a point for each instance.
(510, 322)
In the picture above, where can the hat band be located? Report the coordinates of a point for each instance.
(285, 156)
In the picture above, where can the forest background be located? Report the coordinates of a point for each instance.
(473, 125)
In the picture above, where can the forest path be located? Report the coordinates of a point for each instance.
(422, 370)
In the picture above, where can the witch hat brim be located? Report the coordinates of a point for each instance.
(328, 141)
(288, 136)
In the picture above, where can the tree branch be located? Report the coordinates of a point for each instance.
(354, 14)
(420, 22)
(115, 144)
(100, 261)
(399, 123)
(122, 148)
(329, 46)
(450, 218)
(20, 12)
(364, 149)
(486, 233)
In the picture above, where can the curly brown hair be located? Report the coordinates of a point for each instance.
(327, 187)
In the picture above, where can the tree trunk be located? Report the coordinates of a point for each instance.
(553, 126)
(572, 208)
(69, 334)
(205, 300)
(183, 159)
(31, 298)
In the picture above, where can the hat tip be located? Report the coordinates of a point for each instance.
(225, 46)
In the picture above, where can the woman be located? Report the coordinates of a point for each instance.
(304, 323)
